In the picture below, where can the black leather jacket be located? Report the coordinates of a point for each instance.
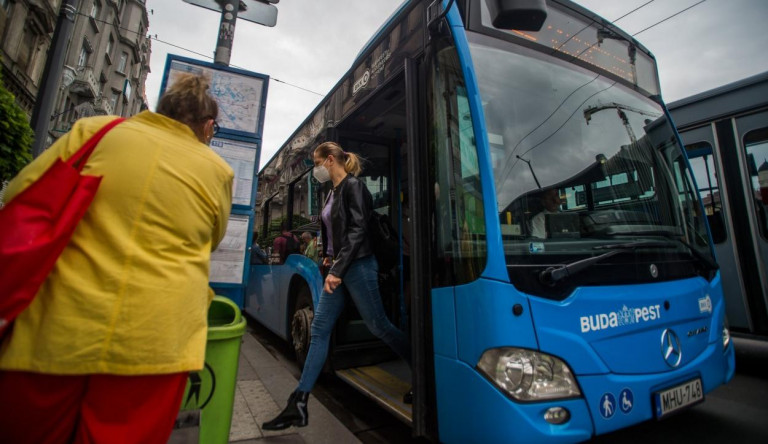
(352, 205)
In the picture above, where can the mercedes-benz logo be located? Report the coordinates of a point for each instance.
(654, 271)
(670, 348)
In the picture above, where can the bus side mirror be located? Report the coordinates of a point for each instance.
(521, 15)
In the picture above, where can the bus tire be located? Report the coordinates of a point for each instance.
(301, 323)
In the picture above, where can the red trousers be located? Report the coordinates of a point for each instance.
(51, 409)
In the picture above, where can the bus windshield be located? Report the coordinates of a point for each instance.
(581, 163)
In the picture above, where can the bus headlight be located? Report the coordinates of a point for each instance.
(527, 375)
(726, 334)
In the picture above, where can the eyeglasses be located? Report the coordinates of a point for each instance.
(215, 127)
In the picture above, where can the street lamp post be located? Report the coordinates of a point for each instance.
(262, 12)
(46, 95)
(226, 32)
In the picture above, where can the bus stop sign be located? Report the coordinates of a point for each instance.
(261, 12)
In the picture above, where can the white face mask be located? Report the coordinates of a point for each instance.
(321, 173)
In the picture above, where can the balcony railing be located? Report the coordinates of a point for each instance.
(85, 83)
(102, 107)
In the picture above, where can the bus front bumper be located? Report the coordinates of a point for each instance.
(472, 409)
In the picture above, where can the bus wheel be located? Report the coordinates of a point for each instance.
(300, 325)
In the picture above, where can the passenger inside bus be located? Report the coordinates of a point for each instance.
(550, 202)
(258, 255)
(287, 243)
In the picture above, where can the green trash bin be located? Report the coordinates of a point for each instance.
(211, 391)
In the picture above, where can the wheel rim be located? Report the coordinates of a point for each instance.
(300, 330)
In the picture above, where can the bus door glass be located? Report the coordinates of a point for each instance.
(755, 143)
(378, 177)
(702, 162)
(706, 170)
(459, 214)
(756, 147)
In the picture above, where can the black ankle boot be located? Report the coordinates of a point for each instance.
(294, 414)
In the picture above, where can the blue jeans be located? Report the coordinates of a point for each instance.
(362, 284)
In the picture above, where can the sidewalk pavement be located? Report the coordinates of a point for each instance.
(263, 387)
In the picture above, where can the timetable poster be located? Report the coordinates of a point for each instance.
(241, 156)
(228, 261)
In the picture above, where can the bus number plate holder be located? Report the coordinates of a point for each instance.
(678, 397)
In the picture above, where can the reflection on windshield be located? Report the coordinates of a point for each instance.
(579, 160)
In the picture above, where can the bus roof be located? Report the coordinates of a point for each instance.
(739, 96)
(463, 5)
(387, 23)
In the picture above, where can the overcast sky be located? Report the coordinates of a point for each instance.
(315, 41)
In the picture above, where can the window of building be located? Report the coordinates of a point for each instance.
(95, 10)
(123, 62)
(113, 100)
(110, 44)
(82, 60)
(27, 47)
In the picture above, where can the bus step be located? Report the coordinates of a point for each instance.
(380, 383)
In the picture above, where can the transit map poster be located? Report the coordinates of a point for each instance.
(241, 156)
(228, 260)
(238, 95)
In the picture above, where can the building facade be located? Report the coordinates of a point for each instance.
(26, 28)
(106, 63)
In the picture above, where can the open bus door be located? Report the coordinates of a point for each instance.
(376, 131)
(385, 130)
(424, 408)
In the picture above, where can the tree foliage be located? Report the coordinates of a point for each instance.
(16, 136)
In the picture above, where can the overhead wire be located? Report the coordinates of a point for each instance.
(673, 15)
(506, 170)
(634, 10)
(612, 21)
(569, 117)
(155, 39)
(514, 161)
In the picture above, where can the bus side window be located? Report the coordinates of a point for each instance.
(703, 167)
(756, 147)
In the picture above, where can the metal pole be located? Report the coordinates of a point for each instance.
(531, 168)
(226, 32)
(49, 85)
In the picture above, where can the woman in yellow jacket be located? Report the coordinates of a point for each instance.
(102, 353)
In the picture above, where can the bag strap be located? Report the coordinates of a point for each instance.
(80, 157)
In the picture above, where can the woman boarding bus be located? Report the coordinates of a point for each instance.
(473, 112)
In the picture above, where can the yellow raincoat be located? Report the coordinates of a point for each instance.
(129, 294)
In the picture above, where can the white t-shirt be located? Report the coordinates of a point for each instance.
(538, 224)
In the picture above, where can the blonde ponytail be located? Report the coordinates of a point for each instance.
(352, 162)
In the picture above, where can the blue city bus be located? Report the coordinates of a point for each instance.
(725, 133)
(556, 271)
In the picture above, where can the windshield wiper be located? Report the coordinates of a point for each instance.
(698, 255)
(671, 235)
(553, 274)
